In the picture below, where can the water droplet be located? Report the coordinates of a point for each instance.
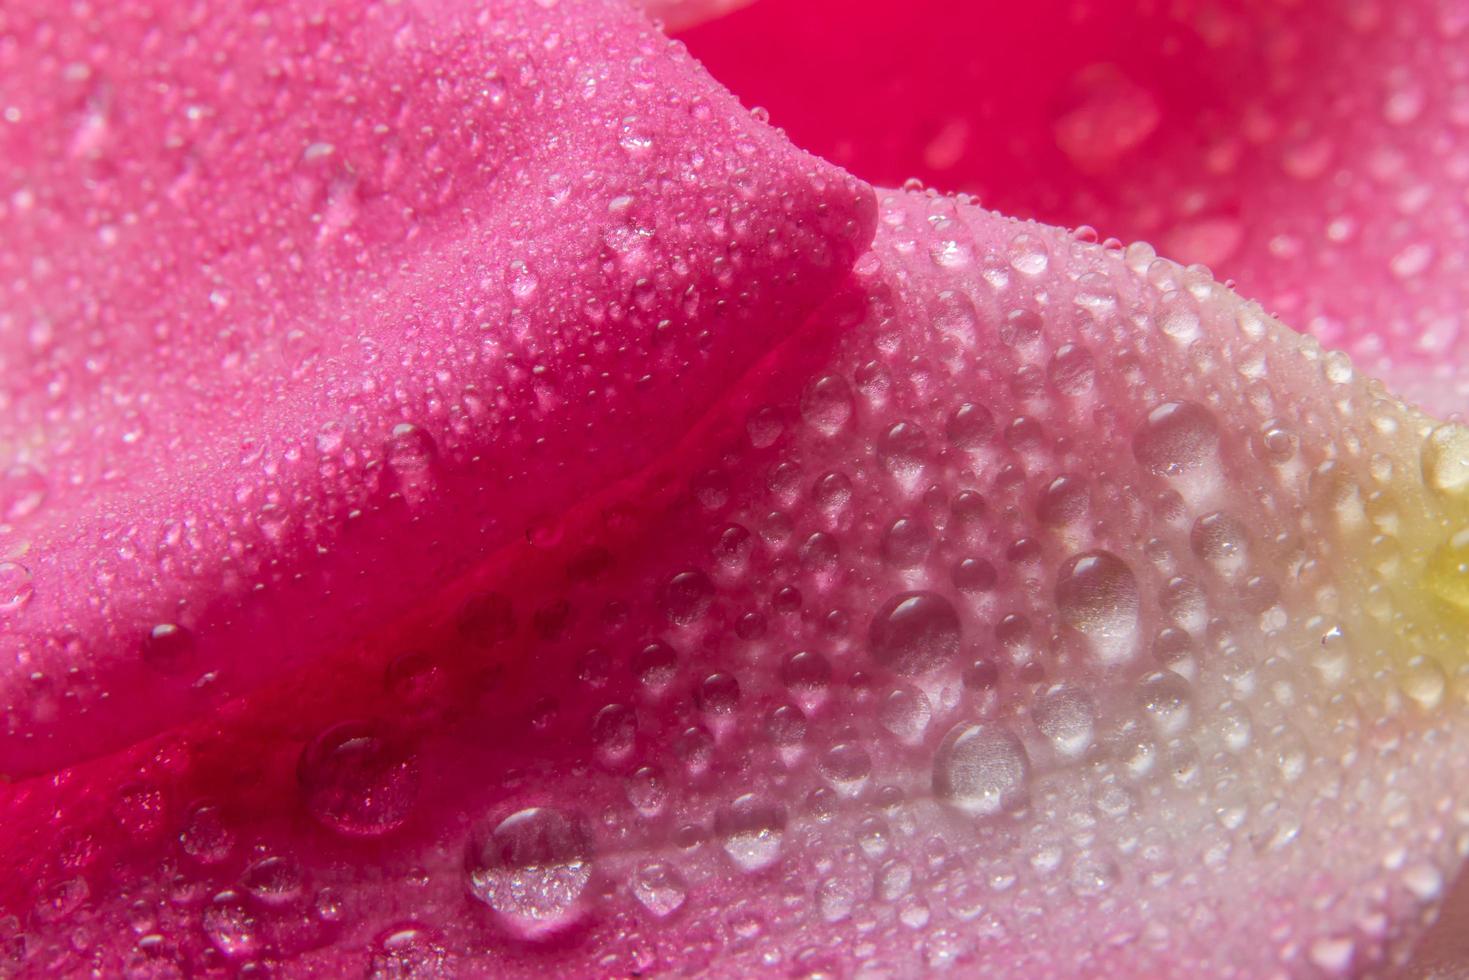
(846, 766)
(1165, 698)
(22, 492)
(1066, 717)
(970, 426)
(531, 868)
(751, 831)
(982, 769)
(903, 451)
(906, 542)
(168, 648)
(1028, 254)
(656, 665)
(1222, 542)
(16, 587)
(273, 881)
(1445, 459)
(615, 733)
(906, 713)
(205, 837)
(915, 633)
(1176, 437)
(409, 449)
(827, 404)
(358, 780)
(687, 597)
(230, 927)
(806, 675)
(659, 888)
(1096, 594)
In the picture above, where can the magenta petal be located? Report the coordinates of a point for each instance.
(310, 310)
(1041, 609)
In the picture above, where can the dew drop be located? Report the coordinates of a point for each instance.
(915, 633)
(358, 780)
(1096, 594)
(659, 888)
(16, 587)
(168, 648)
(22, 492)
(827, 404)
(1066, 717)
(1176, 437)
(751, 831)
(1445, 460)
(531, 868)
(982, 769)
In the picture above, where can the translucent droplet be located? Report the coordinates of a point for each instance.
(982, 769)
(807, 675)
(903, 451)
(1165, 699)
(16, 587)
(231, 928)
(656, 665)
(358, 780)
(846, 766)
(1066, 717)
(906, 542)
(751, 831)
(1222, 542)
(1445, 459)
(827, 404)
(22, 492)
(531, 868)
(1096, 595)
(915, 633)
(970, 426)
(1176, 437)
(409, 450)
(906, 713)
(615, 733)
(168, 648)
(1447, 574)
(273, 881)
(1028, 254)
(659, 888)
(687, 597)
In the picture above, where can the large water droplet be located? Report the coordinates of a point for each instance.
(1066, 717)
(982, 769)
(358, 780)
(22, 492)
(1176, 437)
(751, 831)
(1445, 458)
(1096, 594)
(915, 633)
(531, 868)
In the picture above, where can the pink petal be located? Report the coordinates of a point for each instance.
(311, 310)
(1039, 609)
(1314, 153)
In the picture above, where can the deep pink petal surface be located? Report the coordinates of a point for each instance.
(1316, 154)
(306, 311)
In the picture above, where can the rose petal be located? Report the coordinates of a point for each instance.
(309, 310)
(1314, 154)
(1041, 610)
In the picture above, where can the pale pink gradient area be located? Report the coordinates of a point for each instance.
(479, 501)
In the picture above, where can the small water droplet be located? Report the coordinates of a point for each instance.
(1066, 717)
(659, 888)
(1176, 437)
(16, 587)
